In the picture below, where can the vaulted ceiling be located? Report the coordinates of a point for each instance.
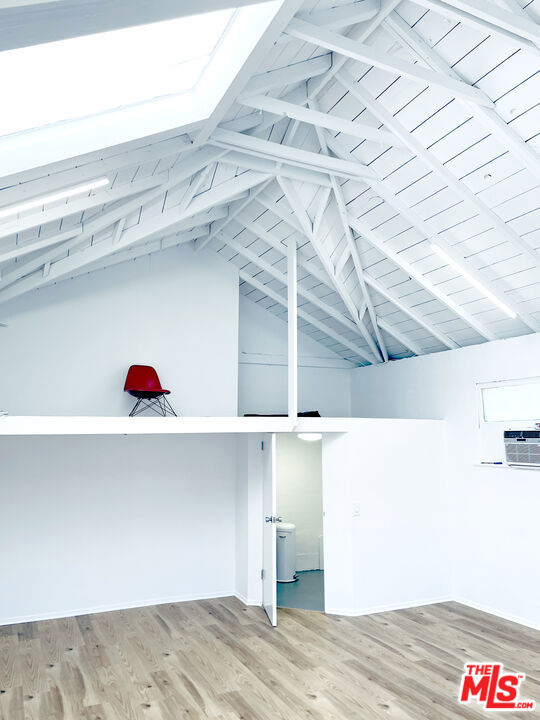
(396, 142)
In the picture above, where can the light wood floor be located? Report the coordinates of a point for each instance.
(217, 659)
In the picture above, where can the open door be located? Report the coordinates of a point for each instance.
(269, 589)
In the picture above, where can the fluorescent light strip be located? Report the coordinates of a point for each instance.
(45, 199)
(483, 289)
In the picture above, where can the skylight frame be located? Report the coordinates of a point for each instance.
(181, 112)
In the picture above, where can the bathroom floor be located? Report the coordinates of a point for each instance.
(307, 593)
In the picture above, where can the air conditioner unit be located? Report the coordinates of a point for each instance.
(522, 447)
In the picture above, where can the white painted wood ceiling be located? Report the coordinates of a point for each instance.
(371, 132)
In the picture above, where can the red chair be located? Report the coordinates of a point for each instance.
(143, 383)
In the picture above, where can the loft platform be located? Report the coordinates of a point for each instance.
(78, 425)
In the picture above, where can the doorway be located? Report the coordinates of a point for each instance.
(299, 530)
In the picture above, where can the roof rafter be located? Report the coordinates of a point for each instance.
(277, 275)
(343, 15)
(491, 18)
(155, 224)
(362, 228)
(288, 154)
(268, 237)
(422, 321)
(222, 224)
(273, 295)
(278, 23)
(400, 337)
(323, 256)
(102, 197)
(459, 187)
(338, 196)
(325, 120)
(489, 118)
(425, 229)
(288, 75)
(372, 56)
(85, 231)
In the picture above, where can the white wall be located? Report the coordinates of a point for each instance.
(262, 372)
(495, 510)
(94, 523)
(68, 347)
(299, 495)
(386, 520)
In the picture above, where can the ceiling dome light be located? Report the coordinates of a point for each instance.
(309, 437)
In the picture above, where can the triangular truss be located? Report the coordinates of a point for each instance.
(394, 142)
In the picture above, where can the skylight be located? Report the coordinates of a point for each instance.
(70, 97)
(74, 78)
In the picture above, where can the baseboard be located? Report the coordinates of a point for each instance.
(114, 606)
(498, 613)
(387, 608)
(246, 600)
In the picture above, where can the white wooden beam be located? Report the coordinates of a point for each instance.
(64, 174)
(250, 161)
(304, 260)
(292, 331)
(362, 228)
(303, 158)
(491, 18)
(321, 209)
(102, 197)
(358, 34)
(222, 224)
(489, 118)
(307, 227)
(246, 277)
(439, 168)
(325, 120)
(130, 236)
(340, 201)
(289, 75)
(400, 337)
(27, 248)
(191, 165)
(425, 229)
(137, 251)
(323, 277)
(278, 23)
(423, 322)
(261, 263)
(279, 209)
(372, 56)
(344, 15)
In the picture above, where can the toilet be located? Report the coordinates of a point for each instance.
(286, 552)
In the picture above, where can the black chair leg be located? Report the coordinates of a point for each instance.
(160, 405)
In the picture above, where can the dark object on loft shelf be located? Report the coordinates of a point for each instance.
(310, 413)
(143, 383)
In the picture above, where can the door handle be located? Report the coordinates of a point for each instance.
(273, 519)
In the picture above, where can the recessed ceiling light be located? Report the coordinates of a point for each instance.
(53, 197)
(309, 437)
(483, 289)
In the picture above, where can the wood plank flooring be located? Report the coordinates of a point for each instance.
(217, 659)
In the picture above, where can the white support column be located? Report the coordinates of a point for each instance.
(292, 324)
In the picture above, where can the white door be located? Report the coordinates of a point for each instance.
(269, 590)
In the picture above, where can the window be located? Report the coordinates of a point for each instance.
(78, 95)
(505, 405)
(516, 401)
(81, 76)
